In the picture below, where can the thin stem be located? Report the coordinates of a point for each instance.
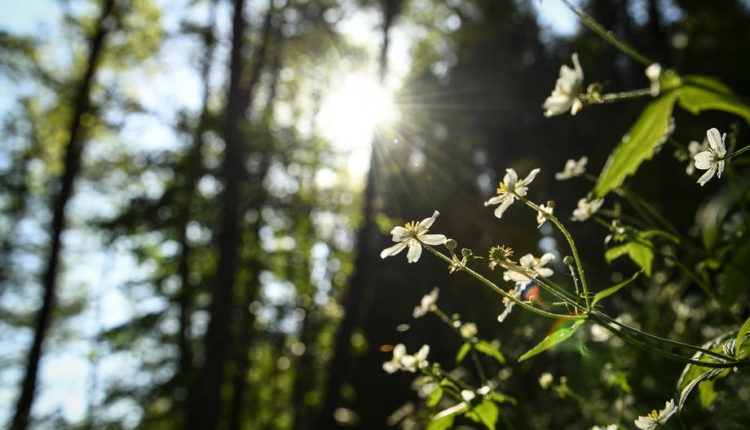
(666, 354)
(499, 290)
(591, 23)
(662, 339)
(736, 153)
(472, 342)
(571, 243)
(599, 99)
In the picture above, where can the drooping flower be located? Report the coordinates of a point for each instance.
(545, 380)
(412, 235)
(509, 190)
(652, 73)
(711, 160)
(427, 304)
(572, 169)
(529, 267)
(516, 294)
(468, 330)
(568, 88)
(652, 420)
(543, 212)
(586, 208)
(403, 361)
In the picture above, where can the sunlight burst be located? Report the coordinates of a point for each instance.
(351, 113)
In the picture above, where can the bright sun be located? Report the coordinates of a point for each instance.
(351, 112)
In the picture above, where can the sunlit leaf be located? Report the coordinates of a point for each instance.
(553, 339)
(486, 348)
(444, 419)
(611, 290)
(502, 398)
(465, 348)
(707, 393)
(700, 93)
(435, 397)
(640, 254)
(485, 413)
(637, 146)
(741, 334)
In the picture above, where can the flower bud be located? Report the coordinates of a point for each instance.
(451, 245)
(569, 260)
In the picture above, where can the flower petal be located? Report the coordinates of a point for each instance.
(393, 250)
(433, 239)
(715, 141)
(530, 177)
(415, 251)
(546, 258)
(503, 206)
(427, 222)
(495, 200)
(720, 168)
(399, 234)
(510, 179)
(707, 176)
(704, 160)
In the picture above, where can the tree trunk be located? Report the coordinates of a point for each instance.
(361, 282)
(73, 150)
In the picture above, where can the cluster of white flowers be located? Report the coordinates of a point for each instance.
(543, 213)
(412, 235)
(712, 159)
(403, 361)
(509, 190)
(567, 92)
(427, 304)
(652, 420)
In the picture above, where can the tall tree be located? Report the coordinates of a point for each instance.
(72, 162)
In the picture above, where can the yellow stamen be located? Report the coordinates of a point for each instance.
(655, 414)
(503, 189)
(511, 292)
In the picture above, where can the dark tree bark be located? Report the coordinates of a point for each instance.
(73, 150)
(205, 397)
(361, 282)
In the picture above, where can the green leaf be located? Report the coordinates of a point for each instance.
(611, 290)
(707, 393)
(741, 335)
(485, 413)
(553, 339)
(640, 254)
(486, 348)
(700, 93)
(502, 398)
(434, 397)
(441, 422)
(736, 276)
(465, 348)
(638, 145)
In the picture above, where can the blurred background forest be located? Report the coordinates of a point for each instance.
(195, 194)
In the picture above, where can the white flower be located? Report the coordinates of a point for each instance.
(509, 189)
(711, 159)
(586, 208)
(427, 304)
(409, 363)
(693, 149)
(572, 169)
(413, 235)
(652, 73)
(609, 427)
(399, 352)
(467, 395)
(546, 380)
(468, 330)
(653, 419)
(542, 214)
(529, 268)
(568, 88)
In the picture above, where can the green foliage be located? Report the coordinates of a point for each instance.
(736, 281)
(638, 145)
(613, 289)
(486, 348)
(640, 253)
(560, 334)
(700, 93)
(486, 413)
